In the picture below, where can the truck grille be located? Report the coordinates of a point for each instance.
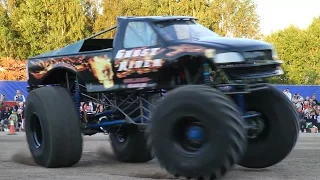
(258, 55)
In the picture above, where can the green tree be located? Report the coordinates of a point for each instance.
(226, 17)
(312, 52)
(9, 35)
(300, 51)
(5, 33)
(107, 18)
(43, 25)
(66, 23)
(32, 25)
(236, 18)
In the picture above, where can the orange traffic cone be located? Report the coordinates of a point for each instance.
(12, 128)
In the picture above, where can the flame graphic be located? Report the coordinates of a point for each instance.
(102, 70)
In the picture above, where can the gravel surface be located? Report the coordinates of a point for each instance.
(98, 162)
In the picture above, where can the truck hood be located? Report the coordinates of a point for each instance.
(231, 44)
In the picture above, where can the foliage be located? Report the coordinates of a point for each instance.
(12, 69)
(236, 18)
(300, 51)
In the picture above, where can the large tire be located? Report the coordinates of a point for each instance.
(53, 127)
(281, 128)
(131, 146)
(224, 128)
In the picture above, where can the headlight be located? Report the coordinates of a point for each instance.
(229, 57)
(275, 55)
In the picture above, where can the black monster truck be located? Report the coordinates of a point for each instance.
(167, 85)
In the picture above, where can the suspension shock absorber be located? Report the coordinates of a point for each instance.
(76, 96)
(241, 103)
(206, 74)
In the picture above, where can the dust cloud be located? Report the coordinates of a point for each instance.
(105, 154)
(156, 175)
(23, 156)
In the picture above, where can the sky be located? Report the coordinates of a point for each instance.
(279, 14)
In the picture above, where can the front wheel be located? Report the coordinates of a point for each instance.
(197, 132)
(281, 128)
(52, 127)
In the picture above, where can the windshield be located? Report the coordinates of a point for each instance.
(182, 29)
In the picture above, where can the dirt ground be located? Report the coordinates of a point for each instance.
(98, 162)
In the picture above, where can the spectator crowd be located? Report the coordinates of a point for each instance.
(308, 108)
(309, 111)
(14, 112)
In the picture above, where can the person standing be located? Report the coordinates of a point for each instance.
(19, 97)
(288, 93)
(2, 97)
(4, 116)
(302, 119)
(314, 98)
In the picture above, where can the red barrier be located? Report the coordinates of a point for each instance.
(10, 103)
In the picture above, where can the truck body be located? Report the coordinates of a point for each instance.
(147, 52)
(200, 101)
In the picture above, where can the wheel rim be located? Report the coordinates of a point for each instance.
(121, 135)
(36, 130)
(257, 127)
(190, 134)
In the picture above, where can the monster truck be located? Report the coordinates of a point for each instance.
(169, 88)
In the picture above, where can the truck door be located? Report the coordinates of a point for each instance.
(137, 58)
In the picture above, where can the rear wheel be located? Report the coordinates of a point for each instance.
(280, 122)
(129, 144)
(53, 128)
(197, 132)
